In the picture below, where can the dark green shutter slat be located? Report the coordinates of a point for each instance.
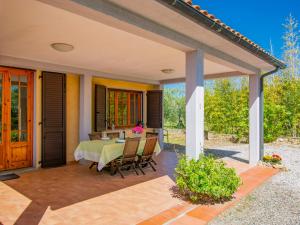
(53, 119)
(154, 109)
(100, 108)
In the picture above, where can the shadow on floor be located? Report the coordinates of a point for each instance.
(63, 186)
(219, 153)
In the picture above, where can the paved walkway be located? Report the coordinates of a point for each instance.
(202, 214)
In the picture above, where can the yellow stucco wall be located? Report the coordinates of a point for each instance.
(72, 116)
(73, 108)
(38, 112)
(118, 84)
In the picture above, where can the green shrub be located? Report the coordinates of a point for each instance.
(206, 179)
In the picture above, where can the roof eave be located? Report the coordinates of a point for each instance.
(189, 11)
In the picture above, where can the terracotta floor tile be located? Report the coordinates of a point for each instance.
(75, 194)
(188, 220)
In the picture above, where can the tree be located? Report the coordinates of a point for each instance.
(291, 47)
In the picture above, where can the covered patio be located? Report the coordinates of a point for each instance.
(153, 43)
(73, 50)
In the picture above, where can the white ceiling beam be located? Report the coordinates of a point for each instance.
(206, 77)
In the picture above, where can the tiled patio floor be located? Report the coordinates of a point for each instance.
(74, 194)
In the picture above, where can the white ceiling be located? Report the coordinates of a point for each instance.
(28, 27)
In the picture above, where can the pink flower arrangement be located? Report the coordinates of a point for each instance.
(138, 130)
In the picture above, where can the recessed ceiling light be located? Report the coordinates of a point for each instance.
(62, 47)
(167, 71)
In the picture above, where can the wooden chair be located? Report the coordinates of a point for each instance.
(112, 135)
(146, 157)
(94, 137)
(151, 134)
(128, 159)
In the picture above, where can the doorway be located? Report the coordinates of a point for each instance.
(16, 118)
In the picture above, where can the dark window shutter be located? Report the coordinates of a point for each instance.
(100, 108)
(154, 109)
(54, 119)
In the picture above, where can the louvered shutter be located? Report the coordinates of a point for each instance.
(100, 108)
(154, 109)
(54, 119)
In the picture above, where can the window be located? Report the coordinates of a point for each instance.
(124, 107)
(18, 108)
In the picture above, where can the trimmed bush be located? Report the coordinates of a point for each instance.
(206, 179)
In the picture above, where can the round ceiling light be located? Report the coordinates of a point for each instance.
(62, 47)
(167, 71)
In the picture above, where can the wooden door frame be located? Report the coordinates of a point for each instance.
(7, 71)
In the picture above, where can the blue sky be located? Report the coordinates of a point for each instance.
(259, 20)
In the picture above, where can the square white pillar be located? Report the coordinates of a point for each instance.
(255, 119)
(194, 103)
(85, 125)
(161, 130)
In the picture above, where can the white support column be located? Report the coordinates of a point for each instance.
(194, 103)
(255, 120)
(85, 125)
(161, 130)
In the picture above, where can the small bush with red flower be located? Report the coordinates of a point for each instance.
(272, 159)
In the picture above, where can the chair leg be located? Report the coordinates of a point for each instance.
(113, 170)
(134, 167)
(152, 166)
(92, 164)
(118, 169)
(153, 161)
(138, 165)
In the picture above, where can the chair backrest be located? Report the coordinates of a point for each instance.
(94, 137)
(151, 134)
(112, 135)
(149, 146)
(131, 147)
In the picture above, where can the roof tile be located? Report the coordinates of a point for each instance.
(212, 17)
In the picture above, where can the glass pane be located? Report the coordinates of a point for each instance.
(132, 117)
(0, 108)
(14, 136)
(122, 108)
(23, 136)
(14, 80)
(23, 108)
(14, 107)
(23, 80)
(136, 108)
(111, 118)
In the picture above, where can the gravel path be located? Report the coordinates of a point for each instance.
(276, 202)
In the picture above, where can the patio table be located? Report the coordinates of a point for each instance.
(104, 151)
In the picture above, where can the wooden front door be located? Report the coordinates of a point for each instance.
(54, 119)
(16, 118)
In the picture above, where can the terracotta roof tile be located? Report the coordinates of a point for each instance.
(212, 17)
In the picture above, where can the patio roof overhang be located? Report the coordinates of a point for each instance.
(117, 39)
